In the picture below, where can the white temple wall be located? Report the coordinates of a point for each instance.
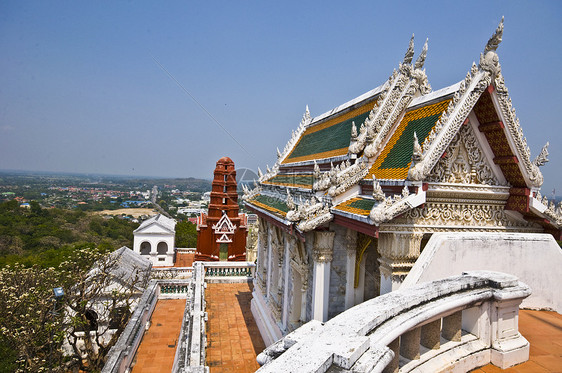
(535, 258)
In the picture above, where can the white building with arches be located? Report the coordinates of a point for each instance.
(155, 239)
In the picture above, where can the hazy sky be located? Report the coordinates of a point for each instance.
(82, 85)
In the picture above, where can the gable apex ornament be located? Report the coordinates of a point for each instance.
(489, 60)
(421, 58)
(495, 39)
(542, 158)
(409, 52)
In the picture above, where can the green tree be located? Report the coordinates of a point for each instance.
(30, 325)
(33, 326)
(186, 234)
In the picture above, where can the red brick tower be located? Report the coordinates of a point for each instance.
(221, 234)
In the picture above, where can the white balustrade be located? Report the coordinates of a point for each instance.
(455, 324)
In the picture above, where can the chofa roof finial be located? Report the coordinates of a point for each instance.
(409, 53)
(495, 39)
(421, 58)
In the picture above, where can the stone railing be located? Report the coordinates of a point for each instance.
(174, 289)
(455, 324)
(121, 355)
(229, 271)
(186, 250)
(171, 273)
(190, 354)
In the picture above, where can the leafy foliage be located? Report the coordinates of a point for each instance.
(186, 234)
(34, 326)
(46, 236)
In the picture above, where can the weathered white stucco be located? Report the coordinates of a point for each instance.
(534, 258)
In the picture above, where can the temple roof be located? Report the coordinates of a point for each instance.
(395, 159)
(370, 158)
(160, 220)
(330, 135)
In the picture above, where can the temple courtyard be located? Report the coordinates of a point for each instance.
(233, 339)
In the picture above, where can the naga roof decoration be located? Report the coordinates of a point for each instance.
(401, 135)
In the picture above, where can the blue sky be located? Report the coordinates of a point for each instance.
(81, 89)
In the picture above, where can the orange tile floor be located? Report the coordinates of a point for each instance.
(233, 338)
(543, 330)
(158, 347)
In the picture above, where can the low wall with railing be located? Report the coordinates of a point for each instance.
(225, 272)
(190, 353)
(164, 273)
(121, 355)
(455, 324)
(174, 283)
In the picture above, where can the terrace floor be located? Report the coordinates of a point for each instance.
(234, 341)
(543, 330)
(233, 338)
(158, 347)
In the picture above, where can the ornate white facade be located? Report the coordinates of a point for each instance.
(357, 192)
(155, 240)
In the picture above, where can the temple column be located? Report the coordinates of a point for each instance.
(285, 269)
(351, 250)
(276, 283)
(399, 252)
(360, 289)
(269, 261)
(261, 273)
(322, 253)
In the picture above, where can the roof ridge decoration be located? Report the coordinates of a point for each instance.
(553, 212)
(392, 206)
(378, 193)
(409, 55)
(402, 85)
(470, 89)
(251, 193)
(295, 135)
(342, 177)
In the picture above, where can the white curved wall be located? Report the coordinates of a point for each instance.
(536, 259)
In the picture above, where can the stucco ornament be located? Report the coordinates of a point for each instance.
(390, 207)
(417, 152)
(514, 129)
(378, 194)
(295, 135)
(447, 127)
(552, 212)
(464, 162)
(489, 60)
(409, 52)
(249, 194)
(323, 249)
(542, 158)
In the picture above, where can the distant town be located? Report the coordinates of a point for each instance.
(121, 196)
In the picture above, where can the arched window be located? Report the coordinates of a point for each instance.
(145, 248)
(162, 248)
(92, 318)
